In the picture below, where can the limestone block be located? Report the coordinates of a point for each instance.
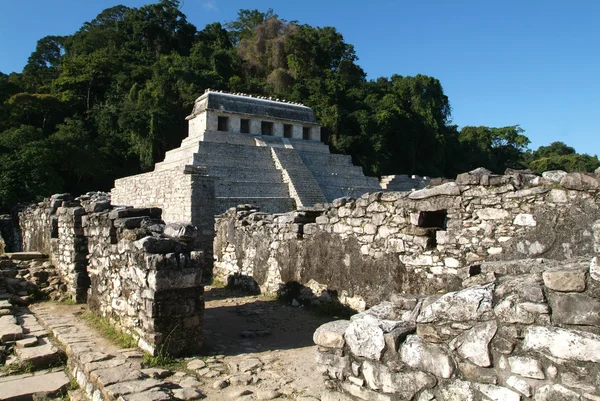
(555, 392)
(554, 176)
(565, 280)
(526, 367)
(470, 304)
(331, 335)
(572, 345)
(520, 385)
(524, 219)
(458, 390)
(492, 214)
(575, 309)
(448, 189)
(497, 393)
(428, 357)
(473, 344)
(365, 337)
(405, 384)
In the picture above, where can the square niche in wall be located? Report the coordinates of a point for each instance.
(266, 128)
(222, 123)
(245, 126)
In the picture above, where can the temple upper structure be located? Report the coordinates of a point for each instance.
(258, 151)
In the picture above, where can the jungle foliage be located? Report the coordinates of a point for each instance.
(109, 100)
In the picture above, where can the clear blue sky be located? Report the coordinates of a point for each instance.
(530, 62)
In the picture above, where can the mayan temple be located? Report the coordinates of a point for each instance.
(259, 151)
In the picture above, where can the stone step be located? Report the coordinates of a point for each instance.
(302, 145)
(10, 330)
(39, 357)
(327, 159)
(23, 387)
(250, 189)
(336, 170)
(267, 205)
(259, 163)
(239, 174)
(229, 137)
(350, 181)
(227, 150)
(302, 182)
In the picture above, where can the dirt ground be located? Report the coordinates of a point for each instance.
(239, 326)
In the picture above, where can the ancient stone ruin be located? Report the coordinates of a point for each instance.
(146, 277)
(262, 152)
(485, 287)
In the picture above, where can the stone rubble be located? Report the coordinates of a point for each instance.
(496, 340)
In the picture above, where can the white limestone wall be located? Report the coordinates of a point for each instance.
(197, 126)
(170, 190)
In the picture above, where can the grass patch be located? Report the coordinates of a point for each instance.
(218, 283)
(109, 331)
(163, 360)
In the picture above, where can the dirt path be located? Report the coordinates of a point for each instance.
(241, 328)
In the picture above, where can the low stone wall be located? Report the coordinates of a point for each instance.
(411, 242)
(148, 284)
(144, 276)
(519, 330)
(38, 223)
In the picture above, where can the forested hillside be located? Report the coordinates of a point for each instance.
(110, 99)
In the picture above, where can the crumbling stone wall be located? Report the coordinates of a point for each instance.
(518, 330)
(143, 275)
(147, 283)
(422, 241)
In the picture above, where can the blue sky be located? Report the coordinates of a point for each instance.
(504, 62)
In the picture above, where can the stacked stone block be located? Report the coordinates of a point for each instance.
(526, 335)
(423, 241)
(148, 284)
(72, 251)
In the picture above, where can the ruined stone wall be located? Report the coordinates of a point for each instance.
(147, 283)
(146, 277)
(422, 241)
(517, 331)
(38, 223)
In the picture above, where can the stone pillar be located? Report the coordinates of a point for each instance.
(255, 127)
(234, 124)
(297, 131)
(278, 129)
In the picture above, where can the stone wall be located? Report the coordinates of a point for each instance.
(184, 195)
(38, 223)
(517, 331)
(147, 283)
(424, 241)
(143, 275)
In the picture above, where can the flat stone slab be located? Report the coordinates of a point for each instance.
(23, 386)
(29, 341)
(9, 329)
(38, 357)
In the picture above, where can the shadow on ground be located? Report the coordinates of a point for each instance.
(236, 323)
